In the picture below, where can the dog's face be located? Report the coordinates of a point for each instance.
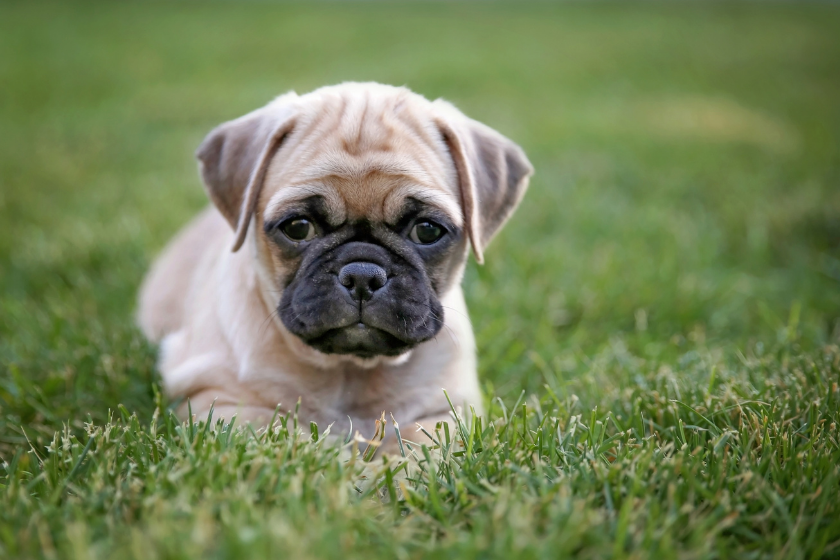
(364, 199)
(365, 282)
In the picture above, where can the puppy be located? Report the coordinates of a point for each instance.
(328, 269)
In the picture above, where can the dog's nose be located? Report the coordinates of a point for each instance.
(362, 279)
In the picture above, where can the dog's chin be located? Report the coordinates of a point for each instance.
(367, 363)
(322, 360)
(361, 341)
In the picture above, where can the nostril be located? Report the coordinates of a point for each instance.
(378, 280)
(362, 278)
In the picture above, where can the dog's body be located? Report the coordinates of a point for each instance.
(357, 205)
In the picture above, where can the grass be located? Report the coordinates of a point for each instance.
(658, 326)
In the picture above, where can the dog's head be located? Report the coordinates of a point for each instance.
(364, 199)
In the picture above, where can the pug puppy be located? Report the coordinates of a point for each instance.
(328, 270)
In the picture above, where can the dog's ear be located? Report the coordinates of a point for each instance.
(234, 158)
(493, 174)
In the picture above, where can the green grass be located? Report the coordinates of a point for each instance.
(658, 327)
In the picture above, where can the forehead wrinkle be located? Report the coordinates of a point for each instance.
(436, 170)
(337, 165)
(316, 123)
(434, 163)
(310, 118)
(298, 151)
(421, 129)
(359, 130)
(361, 120)
(314, 162)
(310, 146)
(320, 150)
(394, 128)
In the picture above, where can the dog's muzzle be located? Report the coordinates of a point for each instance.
(361, 299)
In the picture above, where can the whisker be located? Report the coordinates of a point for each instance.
(268, 320)
(458, 311)
(450, 332)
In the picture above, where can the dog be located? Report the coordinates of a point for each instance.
(326, 274)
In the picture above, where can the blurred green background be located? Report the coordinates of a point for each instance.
(673, 275)
(685, 204)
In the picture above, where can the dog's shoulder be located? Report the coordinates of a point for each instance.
(165, 290)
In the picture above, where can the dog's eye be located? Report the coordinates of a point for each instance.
(426, 232)
(298, 229)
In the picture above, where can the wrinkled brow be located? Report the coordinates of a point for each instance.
(336, 210)
(445, 202)
(393, 205)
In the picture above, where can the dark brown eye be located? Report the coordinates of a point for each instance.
(426, 232)
(298, 229)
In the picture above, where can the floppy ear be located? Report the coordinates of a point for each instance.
(234, 157)
(493, 174)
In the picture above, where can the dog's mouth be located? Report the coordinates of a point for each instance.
(361, 340)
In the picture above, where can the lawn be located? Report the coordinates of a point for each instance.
(658, 326)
